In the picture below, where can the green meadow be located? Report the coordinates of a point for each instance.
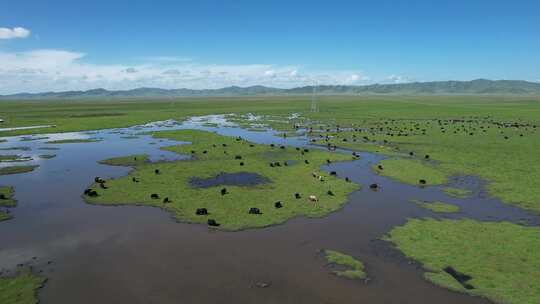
(17, 169)
(20, 289)
(214, 155)
(354, 268)
(438, 207)
(501, 259)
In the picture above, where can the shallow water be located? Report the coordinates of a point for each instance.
(133, 254)
(229, 179)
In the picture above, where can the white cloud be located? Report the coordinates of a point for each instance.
(11, 33)
(397, 79)
(59, 70)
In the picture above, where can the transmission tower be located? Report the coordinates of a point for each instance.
(314, 107)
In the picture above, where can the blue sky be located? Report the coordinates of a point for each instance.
(62, 45)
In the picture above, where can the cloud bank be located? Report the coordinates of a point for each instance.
(59, 70)
(12, 33)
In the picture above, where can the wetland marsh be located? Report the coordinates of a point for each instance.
(407, 235)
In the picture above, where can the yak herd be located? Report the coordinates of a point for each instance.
(223, 191)
(389, 127)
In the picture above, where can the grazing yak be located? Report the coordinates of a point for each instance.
(254, 211)
(347, 179)
(166, 200)
(102, 186)
(238, 157)
(156, 171)
(422, 182)
(297, 195)
(154, 196)
(334, 173)
(135, 180)
(330, 193)
(241, 163)
(212, 222)
(380, 167)
(278, 204)
(306, 161)
(224, 191)
(2, 196)
(201, 211)
(90, 192)
(313, 198)
(99, 180)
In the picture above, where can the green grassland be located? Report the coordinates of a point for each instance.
(17, 169)
(8, 158)
(457, 192)
(440, 126)
(6, 201)
(7, 193)
(128, 161)
(503, 259)
(356, 268)
(411, 171)
(231, 210)
(438, 207)
(20, 289)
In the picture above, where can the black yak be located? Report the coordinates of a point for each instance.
(201, 211)
(278, 204)
(254, 211)
(154, 196)
(224, 191)
(90, 192)
(212, 222)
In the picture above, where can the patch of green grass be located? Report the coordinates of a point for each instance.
(14, 158)
(411, 171)
(356, 270)
(73, 141)
(502, 258)
(128, 161)
(6, 197)
(20, 289)
(231, 210)
(17, 169)
(47, 156)
(457, 192)
(439, 207)
(9, 157)
(4, 216)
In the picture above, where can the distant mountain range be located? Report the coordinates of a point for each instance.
(478, 86)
